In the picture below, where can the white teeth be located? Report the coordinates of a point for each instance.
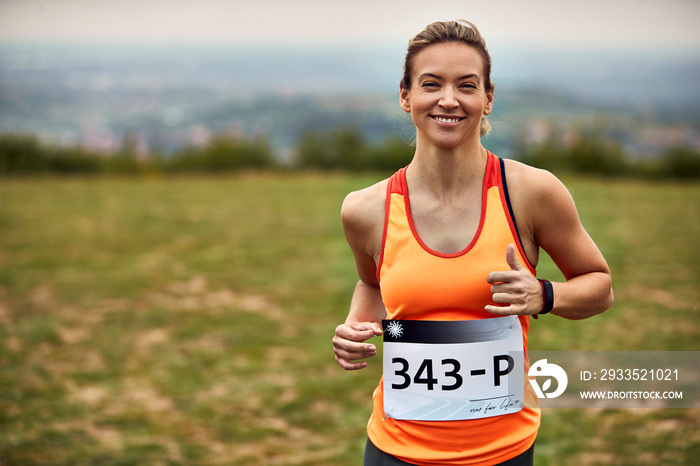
(447, 120)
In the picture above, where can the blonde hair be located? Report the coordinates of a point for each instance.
(444, 32)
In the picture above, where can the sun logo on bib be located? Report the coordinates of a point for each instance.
(395, 329)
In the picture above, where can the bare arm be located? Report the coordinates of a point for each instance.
(362, 216)
(546, 209)
(588, 287)
(363, 323)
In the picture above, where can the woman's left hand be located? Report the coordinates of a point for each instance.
(518, 291)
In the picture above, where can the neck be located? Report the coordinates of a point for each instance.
(447, 173)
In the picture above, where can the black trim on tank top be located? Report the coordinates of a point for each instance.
(507, 196)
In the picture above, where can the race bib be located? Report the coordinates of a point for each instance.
(453, 370)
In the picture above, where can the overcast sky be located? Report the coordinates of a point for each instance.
(620, 23)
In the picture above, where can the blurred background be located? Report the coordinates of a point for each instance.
(155, 78)
(172, 265)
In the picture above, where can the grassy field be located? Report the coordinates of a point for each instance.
(188, 321)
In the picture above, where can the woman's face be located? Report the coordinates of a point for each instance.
(448, 95)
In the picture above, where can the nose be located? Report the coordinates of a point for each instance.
(448, 101)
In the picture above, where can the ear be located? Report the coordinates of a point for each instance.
(404, 100)
(489, 102)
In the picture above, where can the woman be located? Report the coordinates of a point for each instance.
(451, 238)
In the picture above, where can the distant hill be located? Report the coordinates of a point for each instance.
(176, 96)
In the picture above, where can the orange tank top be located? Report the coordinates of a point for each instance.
(418, 283)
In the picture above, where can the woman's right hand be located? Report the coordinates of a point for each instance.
(349, 344)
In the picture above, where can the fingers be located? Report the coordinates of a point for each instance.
(502, 310)
(359, 331)
(374, 327)
(349, 344)
(504, 292)
(512, 298)
(512, 259)
(349, 365)
(502, 277)
(515, 268)
(349, 355)
(513, 288)
(519, 308)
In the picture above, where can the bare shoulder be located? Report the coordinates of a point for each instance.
(364, 206)
(362, 214)
(532, 182)
(543, 207)
(538, 195)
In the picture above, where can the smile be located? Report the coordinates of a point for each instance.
(447, 119)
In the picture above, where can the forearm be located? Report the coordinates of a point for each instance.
(364, 322)
(583, 296)
(366, 304)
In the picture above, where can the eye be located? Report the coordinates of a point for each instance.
(469, 86)
(429, 84)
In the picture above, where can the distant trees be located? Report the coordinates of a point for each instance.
(680, 162)
(591, 153)
(23, 154)
(223, 153)
(340, 149)
(346, 149)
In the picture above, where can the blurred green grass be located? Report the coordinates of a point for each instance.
(188, 320)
